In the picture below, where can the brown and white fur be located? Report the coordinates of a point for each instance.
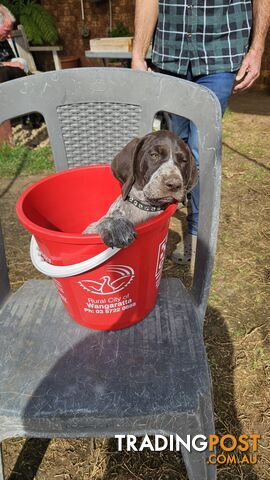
(156, 170)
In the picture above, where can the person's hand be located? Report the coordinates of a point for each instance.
(17, 64)
(249, 71)
(14, 64)
(138, 64)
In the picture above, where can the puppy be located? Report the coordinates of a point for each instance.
(155, 171)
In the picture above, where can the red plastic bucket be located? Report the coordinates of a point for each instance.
(122, 288)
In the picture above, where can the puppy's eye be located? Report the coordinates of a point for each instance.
(154, 156)
(182, 158)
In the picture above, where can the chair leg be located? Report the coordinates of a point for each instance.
(197, 466)
(200, 423)
(1, 463)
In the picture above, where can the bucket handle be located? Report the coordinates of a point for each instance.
(68, 270)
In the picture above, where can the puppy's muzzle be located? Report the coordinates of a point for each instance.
(173, 183)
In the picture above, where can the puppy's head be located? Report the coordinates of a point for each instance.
(160, 164)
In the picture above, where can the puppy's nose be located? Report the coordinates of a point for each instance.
(173, 183)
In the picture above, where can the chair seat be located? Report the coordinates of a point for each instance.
(54, 369)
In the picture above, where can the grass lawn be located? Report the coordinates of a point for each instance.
(23, 160)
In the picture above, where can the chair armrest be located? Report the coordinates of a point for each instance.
(210, 183)
(47, 48)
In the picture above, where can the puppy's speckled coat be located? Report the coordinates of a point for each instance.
(157, 169)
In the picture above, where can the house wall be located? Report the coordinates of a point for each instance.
(69, 22)
(68, 19)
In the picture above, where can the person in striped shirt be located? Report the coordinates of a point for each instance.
(216, 43)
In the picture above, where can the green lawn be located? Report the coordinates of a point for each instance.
(24, 160)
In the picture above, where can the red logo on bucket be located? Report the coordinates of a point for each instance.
(160, 260)
(121, 277)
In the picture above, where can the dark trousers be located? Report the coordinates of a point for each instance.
(10, 73)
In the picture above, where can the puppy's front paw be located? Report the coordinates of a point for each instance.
(117, 232)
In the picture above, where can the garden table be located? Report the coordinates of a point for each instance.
(106, 56)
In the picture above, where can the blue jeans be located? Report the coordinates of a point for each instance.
(221, 84)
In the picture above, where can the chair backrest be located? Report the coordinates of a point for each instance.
(91, 113)
(21, 43)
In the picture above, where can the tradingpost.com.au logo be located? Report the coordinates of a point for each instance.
(226, 449)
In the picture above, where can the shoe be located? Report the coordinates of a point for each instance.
(185, 251)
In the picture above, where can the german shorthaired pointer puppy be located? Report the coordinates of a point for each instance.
(155, 171)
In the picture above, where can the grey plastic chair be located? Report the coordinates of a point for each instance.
(61, 380)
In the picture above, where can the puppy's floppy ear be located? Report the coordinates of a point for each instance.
(123, 165)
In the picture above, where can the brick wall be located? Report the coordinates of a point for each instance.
(69, 23)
